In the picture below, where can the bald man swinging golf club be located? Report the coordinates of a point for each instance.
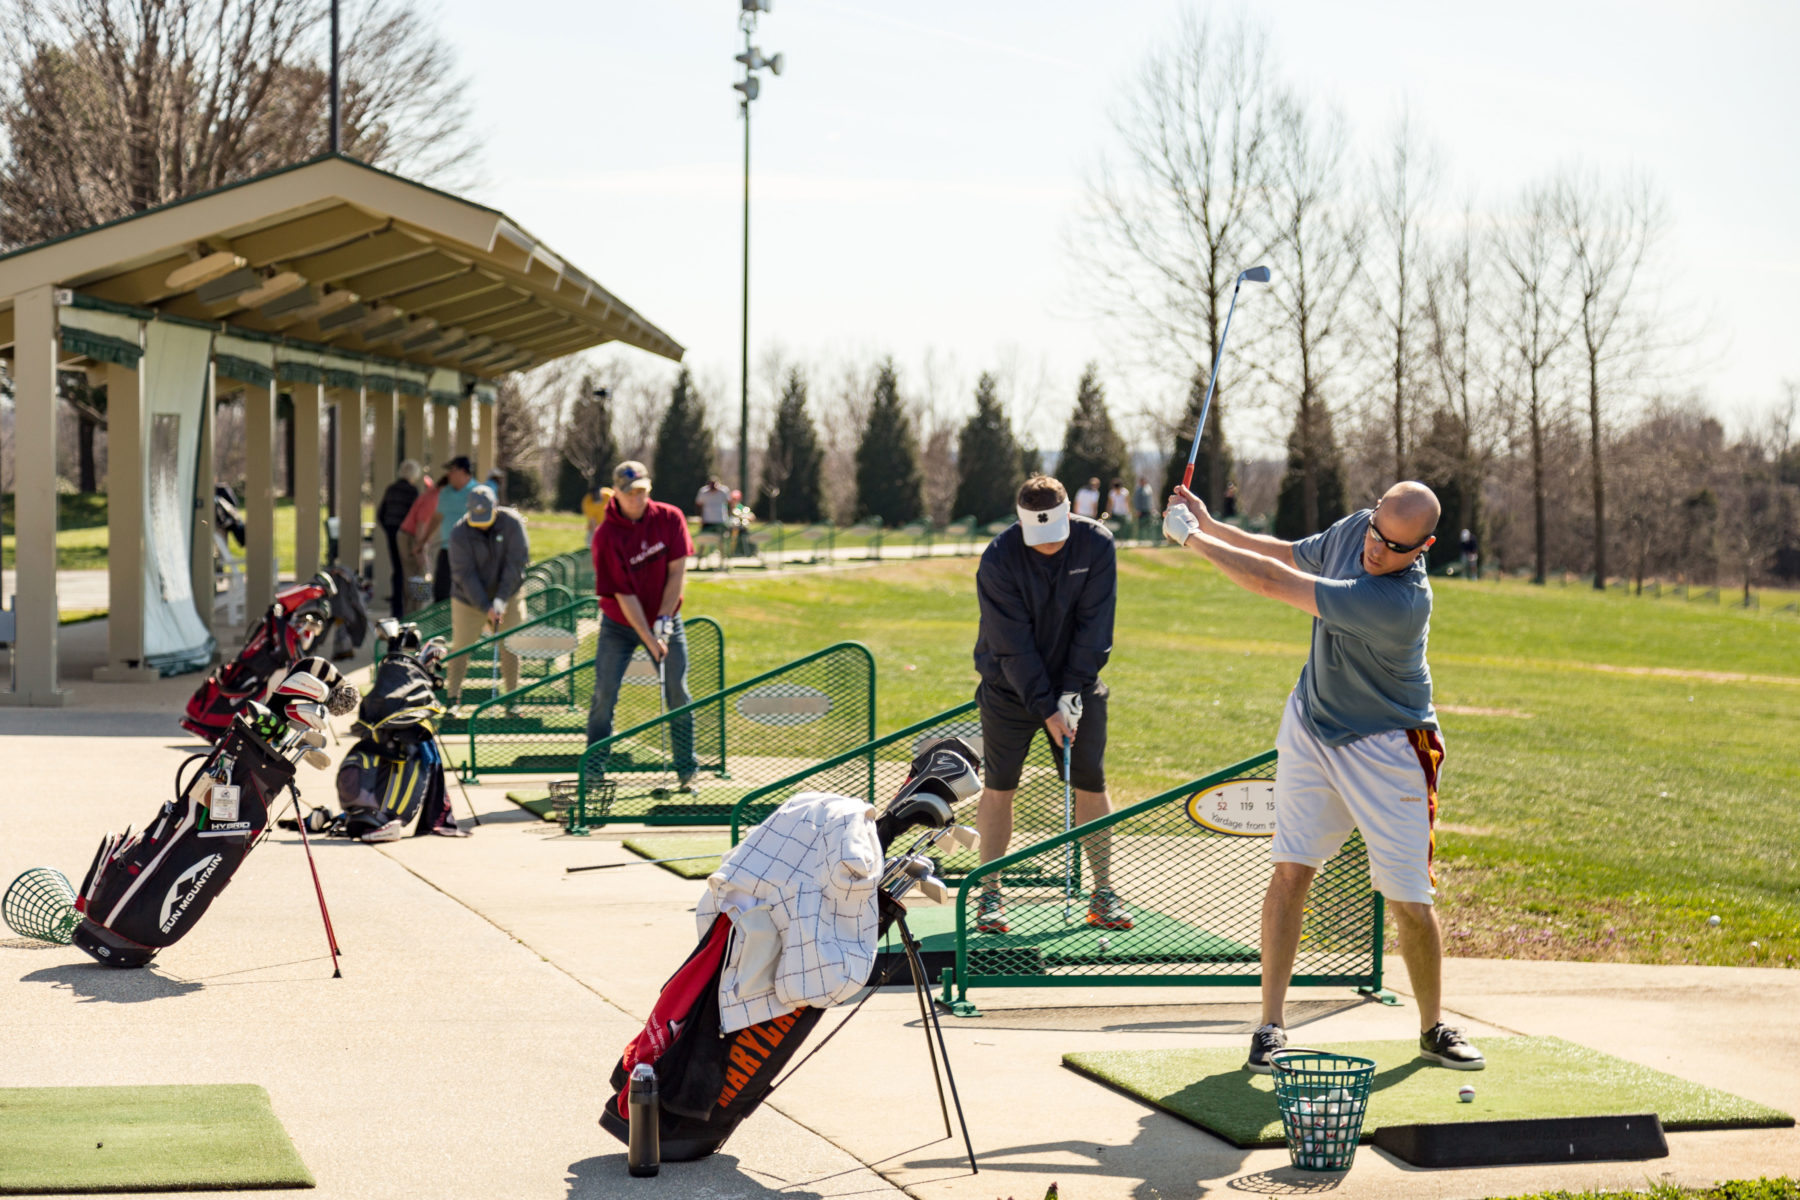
(1359, 745)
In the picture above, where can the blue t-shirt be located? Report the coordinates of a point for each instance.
(1366, 673)
(453, 505)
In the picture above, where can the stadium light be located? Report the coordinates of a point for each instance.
(749, 87)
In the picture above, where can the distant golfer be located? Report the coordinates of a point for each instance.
(1359, 739)
(640, 570)
(1046, 588)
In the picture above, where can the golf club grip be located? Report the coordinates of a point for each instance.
(1187, 473)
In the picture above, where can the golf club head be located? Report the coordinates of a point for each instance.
(964, 837)
(301, 685)
(318, 759)
(1256, 275)
(308, 716)
(319, 668)
(313, 738)
(918, 866)
(934, 890)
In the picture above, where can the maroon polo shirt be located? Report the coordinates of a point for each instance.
(634, 556)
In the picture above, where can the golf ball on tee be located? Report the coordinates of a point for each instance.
(1466, 1094)
(1104, 944)
(1713, 920)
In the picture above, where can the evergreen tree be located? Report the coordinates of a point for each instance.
(793, 460)
(989, 462)
(684, 447)
(888, 484)
(1290, 504)
(1030, 462)
(1212, 469)
(589, 449)
(1092, 448)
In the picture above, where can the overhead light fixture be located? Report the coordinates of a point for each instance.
(191, 275)
(344, 317)
(750, 86)
(227, 288)
(272, 288)
(294, 301)
(758, 6)
(323, 307)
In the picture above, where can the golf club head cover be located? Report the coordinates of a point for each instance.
(944, 774)
(344, 699)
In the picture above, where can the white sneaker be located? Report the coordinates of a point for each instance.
(393, 831)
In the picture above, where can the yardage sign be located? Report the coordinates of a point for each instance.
(1240, 807)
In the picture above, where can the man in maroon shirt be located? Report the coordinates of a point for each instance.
(640, 565)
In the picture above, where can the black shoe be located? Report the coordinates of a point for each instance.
(1448, 1048)
(1264, 1042)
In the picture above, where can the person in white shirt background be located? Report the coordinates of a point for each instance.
(1118, 502)
(1087, 500)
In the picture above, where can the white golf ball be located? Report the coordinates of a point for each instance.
(1713, 920)
(1104, 945)
(1466, 1094)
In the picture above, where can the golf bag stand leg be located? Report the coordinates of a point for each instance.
(934, 1026)
(337, 972)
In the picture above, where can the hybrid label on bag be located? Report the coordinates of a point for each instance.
(223, 804)
(175, 904)
(227, 829)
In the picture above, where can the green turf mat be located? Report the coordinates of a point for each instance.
(675, 845)
(1526, 1077)
(1153, 937)
(144, 1139)
(534, 800)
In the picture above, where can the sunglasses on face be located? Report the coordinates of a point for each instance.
(1396, 547)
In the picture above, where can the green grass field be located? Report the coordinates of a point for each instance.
(1619, 768)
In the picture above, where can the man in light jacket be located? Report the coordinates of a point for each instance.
(488, 557)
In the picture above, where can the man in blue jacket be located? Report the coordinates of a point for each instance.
(1046, 588)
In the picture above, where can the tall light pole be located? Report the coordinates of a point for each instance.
(749, 85)
(337, 107)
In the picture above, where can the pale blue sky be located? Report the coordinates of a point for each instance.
(916, 166)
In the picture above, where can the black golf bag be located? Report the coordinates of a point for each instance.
(145, 890)
(709, 1081)
(394, 773)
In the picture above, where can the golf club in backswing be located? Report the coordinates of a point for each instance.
(1254, 275)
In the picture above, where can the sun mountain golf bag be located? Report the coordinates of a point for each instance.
(709, 1081)
(286, 632)
(394, 774)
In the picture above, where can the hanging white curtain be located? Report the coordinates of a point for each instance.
(176, 369)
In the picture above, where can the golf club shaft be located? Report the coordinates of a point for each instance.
(1212, 381)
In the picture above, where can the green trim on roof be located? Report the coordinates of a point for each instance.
(408, 386)
(298, 372)
(379, 383)
(447, 399)
(101, 347)
(243, 370)
(337, 377)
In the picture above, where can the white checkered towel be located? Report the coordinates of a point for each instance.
(809, 874)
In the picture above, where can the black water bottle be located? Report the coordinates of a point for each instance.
(643, 1152)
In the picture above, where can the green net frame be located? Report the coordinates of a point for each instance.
(1195, 895)
(746, 736)
(40, 904)
(558, 639)
(540, 728)
(548, 585)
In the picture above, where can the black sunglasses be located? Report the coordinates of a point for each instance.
(1396, 547)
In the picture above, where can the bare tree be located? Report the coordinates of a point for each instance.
(1405, 183)
(1454, 353)
(1318, 243)
(109, 107)
(1611, 231)
(1535, 327)
(1170, 225)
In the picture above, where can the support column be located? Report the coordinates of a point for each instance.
(259, 500)
(307, 399)
(125, 521)
(440, 436)
(413, 443)
(485, 443)
(34, 641)
(465, 427)
(349, 403)
(380, 476)
(201, 546)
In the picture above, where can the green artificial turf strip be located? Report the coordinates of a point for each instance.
(1040, 939)
(1526, 1077)
(676, 845)
(144, 1139)
(534, 800)
(1549, 755)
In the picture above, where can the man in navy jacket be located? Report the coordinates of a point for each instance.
(1046, 588)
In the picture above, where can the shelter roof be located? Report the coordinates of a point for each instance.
(335, 254)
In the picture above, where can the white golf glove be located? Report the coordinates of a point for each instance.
(496, 610)
(663, 627)
(1179, 524)
(1068, 705)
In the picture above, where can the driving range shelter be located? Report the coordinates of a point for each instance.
(330, 283)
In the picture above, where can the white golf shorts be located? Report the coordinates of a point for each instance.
(1384, 785)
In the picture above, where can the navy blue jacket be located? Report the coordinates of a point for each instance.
(1046, 621)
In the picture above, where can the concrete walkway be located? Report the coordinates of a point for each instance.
(487, 994)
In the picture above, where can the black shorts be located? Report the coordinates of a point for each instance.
(1006, 733)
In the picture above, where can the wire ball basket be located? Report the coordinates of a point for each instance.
(564, 792)
(1323, 1098)
(41, 904)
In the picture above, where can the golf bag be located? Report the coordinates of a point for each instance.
(290, 629)
(709, 1081)
(394, 773)
(145, 890)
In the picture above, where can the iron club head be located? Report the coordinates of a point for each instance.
(1256, 275)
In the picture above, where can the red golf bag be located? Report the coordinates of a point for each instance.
(286, 632)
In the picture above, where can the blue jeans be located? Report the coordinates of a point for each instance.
(617, 644)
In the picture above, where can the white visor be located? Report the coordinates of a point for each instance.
(1050, 525)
